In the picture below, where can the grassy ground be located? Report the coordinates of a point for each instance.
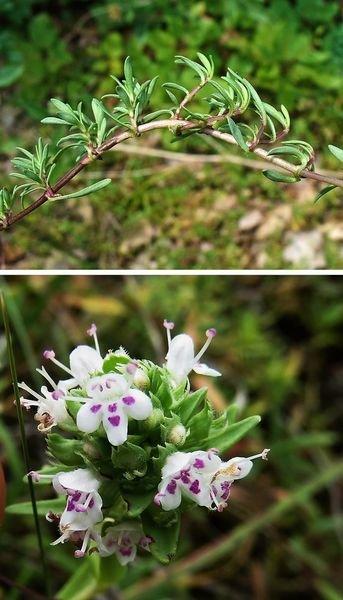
(278, 347)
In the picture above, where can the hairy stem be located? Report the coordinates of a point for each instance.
(181, 125)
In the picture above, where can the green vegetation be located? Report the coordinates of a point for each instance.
(278, 347)
(155, 213)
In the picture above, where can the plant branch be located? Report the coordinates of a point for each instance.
(179, 124)
(188, 98)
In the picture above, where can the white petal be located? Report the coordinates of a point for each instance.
(80, 521)
(89, 416)
(55, 408)
(203, 369)
(180, 357)
(115, 425)
(175, 462)
(107, 387)
(205, 462)
(84, 361)
(81, 480)
(169, 500)
(239, 465)
(67, 384)
(137, 404)
(201, 497)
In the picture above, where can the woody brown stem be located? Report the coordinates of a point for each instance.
(172, 123)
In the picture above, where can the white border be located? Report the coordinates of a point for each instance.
(174, 272)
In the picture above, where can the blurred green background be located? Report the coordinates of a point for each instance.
(279, 347)
(158, 212)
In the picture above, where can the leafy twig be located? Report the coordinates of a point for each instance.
(91, 136)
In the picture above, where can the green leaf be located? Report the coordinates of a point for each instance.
(97, 111)
(83, 583)
(337, 152)
(138, 502)
(199, 427)
(280, 177)
(190, 404)
(73, 407)
(232, 434)
(63, 449)
(54, 121)
(165, 539)
(110, 573)
(129, 457)
(289, 151)
(56, 505)
(112, 361)
(237, 134)
(85, 191)
(324, 191)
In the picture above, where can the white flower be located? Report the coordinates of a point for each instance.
(181, 358)
(51, 406)
(111, 400)
(83, 508)
(201, 476)
(84, 362)
(123, 541)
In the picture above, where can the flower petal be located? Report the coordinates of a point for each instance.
(180, 357)
(115, 425)
(175, 463)
(84, 361)
(106, 387)
(82, 480)
(126, 554)
(80, 521)
(205, 462)
(237, 467)
(137, 404)
(169, 496)
(67, 384)
(89, 416)
(203, 369)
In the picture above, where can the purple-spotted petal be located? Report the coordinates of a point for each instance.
(169, 496)
(115, 425)
(137, 404)
(126, 554)
(89, 416)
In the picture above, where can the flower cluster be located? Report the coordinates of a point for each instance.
(121, 475)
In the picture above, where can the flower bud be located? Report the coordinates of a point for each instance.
(155, 419)
(177, 435)
(141, 380)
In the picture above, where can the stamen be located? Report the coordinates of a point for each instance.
(81, 553)
(168, 325)
(50, 355)
(92, 332)
(60, 540)
(26, 403)
(25, 387)
(210, 333)
(262, 455)
(46, 375)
